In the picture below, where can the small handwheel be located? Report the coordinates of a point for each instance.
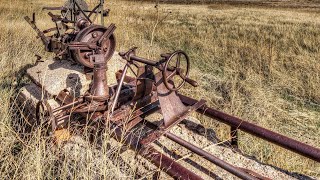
(45, 117)
(176, 70)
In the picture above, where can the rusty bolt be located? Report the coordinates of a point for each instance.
(94, 35)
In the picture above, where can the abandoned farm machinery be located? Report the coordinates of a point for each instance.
(154, 87)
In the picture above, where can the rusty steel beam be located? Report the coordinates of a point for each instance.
(223, 164)
(273, 137)
(160, 160)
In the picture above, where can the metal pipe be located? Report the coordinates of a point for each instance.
(63, 118)
(144, 60)
(168, 165)
(94, 10)
(55, 8)
(68, 105)
(115, 100)
(273, 137)
(160, 160)
(224, 165)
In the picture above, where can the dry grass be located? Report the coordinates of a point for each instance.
(255, 63)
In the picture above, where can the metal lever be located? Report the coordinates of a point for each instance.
(39, 33)
(55, 8)
(188, 80)
(116, 97)
(192, 82)
(108, 33)
(166, 55)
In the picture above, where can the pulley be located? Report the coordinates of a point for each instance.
(94, 37)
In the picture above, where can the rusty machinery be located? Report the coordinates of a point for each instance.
(153, 88)
(75, 36)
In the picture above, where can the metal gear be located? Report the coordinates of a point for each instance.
(45, 117)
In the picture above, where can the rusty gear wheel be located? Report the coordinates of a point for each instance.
(92, 34)
(45, 117)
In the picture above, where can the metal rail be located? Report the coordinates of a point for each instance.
(239, 172)
(273, 137)
(224, 165)
(160, 160)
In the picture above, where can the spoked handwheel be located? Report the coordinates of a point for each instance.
(176, 70)
(45, 117)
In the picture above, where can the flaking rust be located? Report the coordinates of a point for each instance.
(153, 88)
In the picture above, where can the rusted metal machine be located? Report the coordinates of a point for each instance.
(76, 37)
(153, 88)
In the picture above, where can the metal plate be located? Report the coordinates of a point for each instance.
(170, 103)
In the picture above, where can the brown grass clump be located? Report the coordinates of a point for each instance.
(255, 63)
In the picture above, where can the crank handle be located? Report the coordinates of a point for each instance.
(188, 80)
(192, 82)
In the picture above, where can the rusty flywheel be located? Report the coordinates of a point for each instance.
(92, 34)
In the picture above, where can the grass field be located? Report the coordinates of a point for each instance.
(258, 61)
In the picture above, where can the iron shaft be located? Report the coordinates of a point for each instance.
(273, 137)
(224, 165)
(160, 160)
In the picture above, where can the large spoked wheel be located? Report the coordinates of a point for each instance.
(92, 34)
(176, 70)
(45, 117)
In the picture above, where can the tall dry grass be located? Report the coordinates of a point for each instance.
(32, 155)
(255, 63)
